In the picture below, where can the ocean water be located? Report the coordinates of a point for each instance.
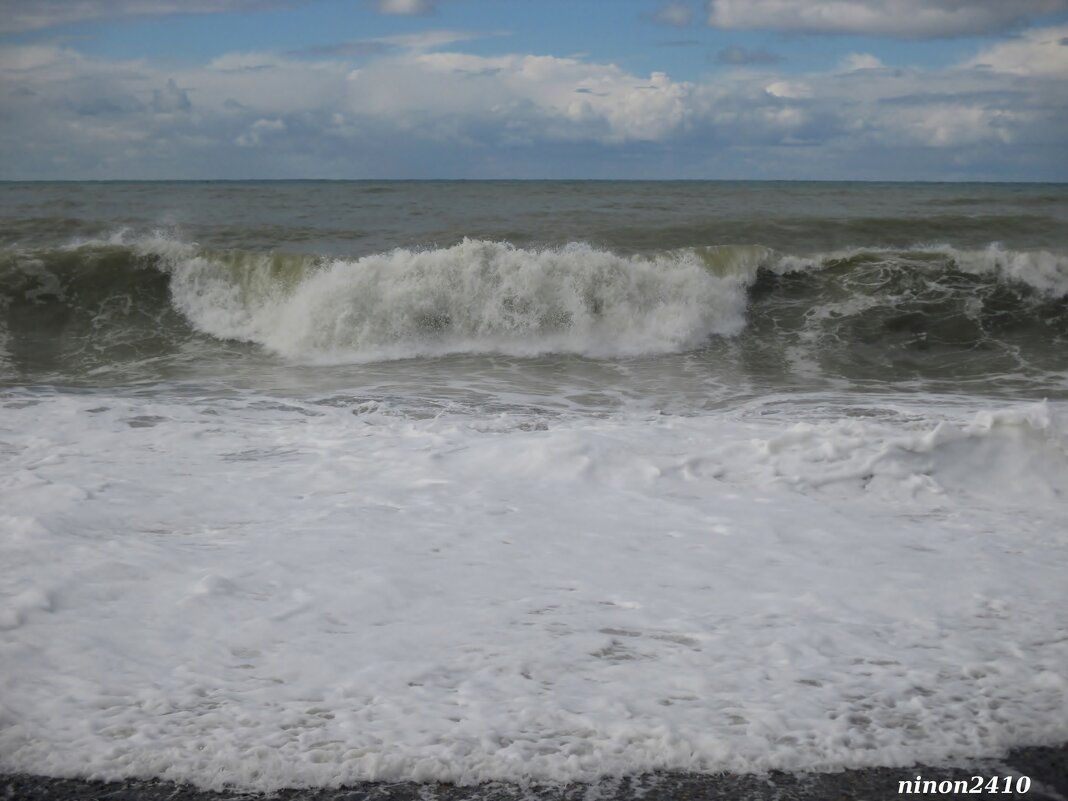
(307, 483)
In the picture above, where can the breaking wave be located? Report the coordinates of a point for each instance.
(474, 297)
(132, 299)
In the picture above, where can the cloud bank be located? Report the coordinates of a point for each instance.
(417, 106)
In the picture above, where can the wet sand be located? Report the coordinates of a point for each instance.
(1047, 767)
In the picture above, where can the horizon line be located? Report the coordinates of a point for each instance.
(530, 180)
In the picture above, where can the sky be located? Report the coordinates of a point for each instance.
(613, 89)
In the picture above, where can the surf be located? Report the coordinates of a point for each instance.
(928, 308)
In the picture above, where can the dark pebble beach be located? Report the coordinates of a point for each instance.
(1046, 767)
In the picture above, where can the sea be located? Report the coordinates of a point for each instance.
(308, 483)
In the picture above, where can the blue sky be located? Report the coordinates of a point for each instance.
(769, 89)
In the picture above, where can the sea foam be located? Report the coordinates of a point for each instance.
(381, 597)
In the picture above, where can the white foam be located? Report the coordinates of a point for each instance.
(1041, 270)
(1017, 453)
(474, 297)
(266, 592)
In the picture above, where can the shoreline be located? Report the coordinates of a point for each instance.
(1046, 766)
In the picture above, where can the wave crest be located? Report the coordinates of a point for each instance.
(1038, 270)
(476, 296)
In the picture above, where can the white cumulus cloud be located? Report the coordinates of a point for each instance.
(860, 61)
(259, 129)
(1040, 51)
(789, 89)
(911, 19)
(557, 97)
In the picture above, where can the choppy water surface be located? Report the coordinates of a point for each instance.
(721, 286)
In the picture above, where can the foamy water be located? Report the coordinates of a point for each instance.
(266, 593)
(485, 509)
